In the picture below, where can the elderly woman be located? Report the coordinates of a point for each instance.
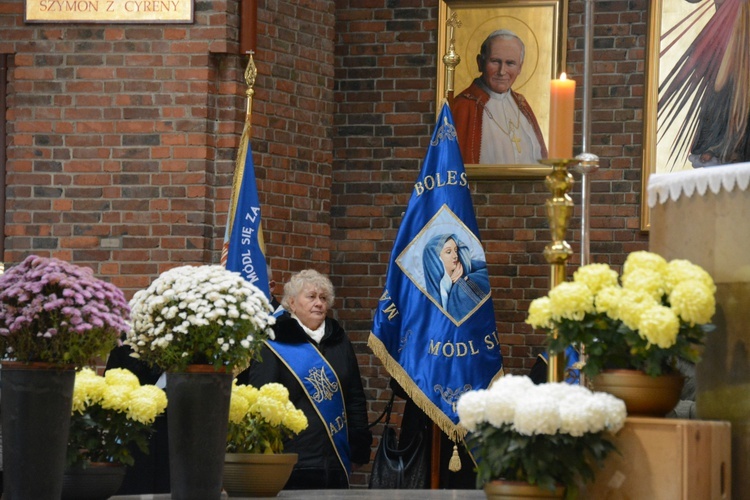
(313, 357)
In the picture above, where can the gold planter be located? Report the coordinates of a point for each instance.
(257, 474)
(643, 395)
(509, 490)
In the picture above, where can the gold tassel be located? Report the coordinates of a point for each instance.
(455, 463)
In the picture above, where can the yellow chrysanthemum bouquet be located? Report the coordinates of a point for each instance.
(261, 419)
(110, 413)
(655, 312)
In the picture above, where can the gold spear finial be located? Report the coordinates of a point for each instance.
(451, 59)
(251, 72)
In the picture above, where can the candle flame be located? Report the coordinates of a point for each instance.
(563, 76)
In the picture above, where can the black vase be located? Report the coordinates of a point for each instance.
(197, 426)
(37, 404)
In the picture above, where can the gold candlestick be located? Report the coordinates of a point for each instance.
(559, 211)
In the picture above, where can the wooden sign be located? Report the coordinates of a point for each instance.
(109, 11)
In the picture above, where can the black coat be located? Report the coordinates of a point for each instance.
(150, 472)
(317, 458)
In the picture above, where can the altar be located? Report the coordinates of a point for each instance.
(702, 215)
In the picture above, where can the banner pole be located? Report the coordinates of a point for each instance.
(435, 458)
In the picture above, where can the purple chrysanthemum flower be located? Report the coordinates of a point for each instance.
(54, 311)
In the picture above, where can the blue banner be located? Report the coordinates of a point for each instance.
(243, 250)
(434, 327)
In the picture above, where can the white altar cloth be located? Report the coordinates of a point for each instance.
(663, 187)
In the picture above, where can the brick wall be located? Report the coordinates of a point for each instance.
(115, 150)
(122, 138)
(293, 127)
(121, 143)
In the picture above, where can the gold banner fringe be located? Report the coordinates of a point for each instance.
(455, 432)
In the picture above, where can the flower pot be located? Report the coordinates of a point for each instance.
(97, 481)
(643, 395)
(256, 474)
(509, 490)
(197, 420)
(37, 404)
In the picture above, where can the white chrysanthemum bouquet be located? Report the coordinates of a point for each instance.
(261, 419)
(546, 435)
(199, 315)
(656, 312)
(109, 414)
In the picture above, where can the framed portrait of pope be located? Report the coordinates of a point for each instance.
(496, 60)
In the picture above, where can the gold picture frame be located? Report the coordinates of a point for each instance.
(686, 66)
(542, 24)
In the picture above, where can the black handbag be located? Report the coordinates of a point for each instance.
(400, 465)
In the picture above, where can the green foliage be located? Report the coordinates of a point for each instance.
(64, 349)
(256, 435)
(611, 344)
(105, 435)
(201, 347)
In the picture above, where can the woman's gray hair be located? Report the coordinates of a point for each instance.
(298, 281)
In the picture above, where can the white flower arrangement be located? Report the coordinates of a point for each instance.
(547, 434)
(199, 315)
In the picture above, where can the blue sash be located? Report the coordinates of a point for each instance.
(322, 386)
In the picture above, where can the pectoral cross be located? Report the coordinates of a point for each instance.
(517, 141)
(514, 137)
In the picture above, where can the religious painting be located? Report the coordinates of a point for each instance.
(697, 87)
(446, 262)
(508, 51)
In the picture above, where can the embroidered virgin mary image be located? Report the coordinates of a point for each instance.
(446, 262)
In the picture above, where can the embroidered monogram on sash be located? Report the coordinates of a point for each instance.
(324, 387)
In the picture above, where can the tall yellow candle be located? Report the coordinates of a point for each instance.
(561, 111)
